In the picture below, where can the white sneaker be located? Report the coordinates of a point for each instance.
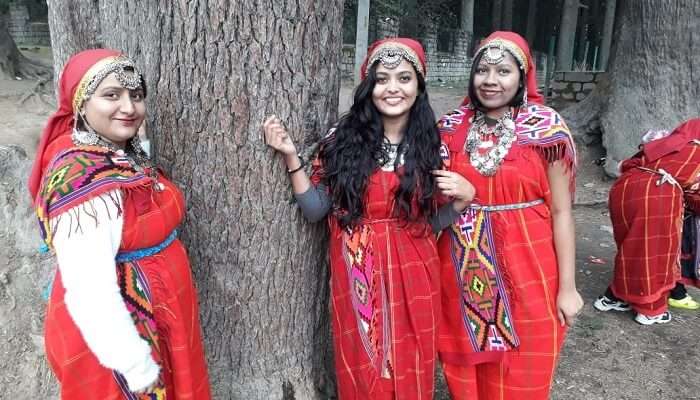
(659, 319)
(604, 303)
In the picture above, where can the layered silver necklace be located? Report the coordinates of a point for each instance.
(138, 159)
(479, 138)
(392, 152)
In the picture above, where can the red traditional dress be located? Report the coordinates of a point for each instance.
(647, 206)
(500, 336)
(151, 328)
(153, 275)
(384, 300)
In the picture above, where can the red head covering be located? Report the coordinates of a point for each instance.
(516, 43)
(680, 136)
(57, 133)
(412, 47)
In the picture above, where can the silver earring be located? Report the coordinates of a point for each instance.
(87, 137)
(524, 102)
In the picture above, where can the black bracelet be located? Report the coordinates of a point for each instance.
(301, 166)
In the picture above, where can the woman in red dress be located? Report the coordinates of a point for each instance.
(122, 318)
(373, 179)
(508, 289)
(647, 205)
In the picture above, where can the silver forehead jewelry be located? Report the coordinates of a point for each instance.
(495, 51)
(391, 57)
(487, 163)
(128, 79)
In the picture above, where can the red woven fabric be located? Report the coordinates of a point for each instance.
(524, 248)
(404, 296)
(647, 222)
(149, 217)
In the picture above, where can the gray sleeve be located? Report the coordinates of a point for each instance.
(314, 203)
(445, 216)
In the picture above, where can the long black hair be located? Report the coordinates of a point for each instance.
(517, 100)
(358, 147)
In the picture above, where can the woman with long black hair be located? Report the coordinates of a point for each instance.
(374, 180)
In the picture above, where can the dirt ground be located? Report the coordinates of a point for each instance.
(607, 356)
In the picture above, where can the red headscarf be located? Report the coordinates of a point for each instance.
(680, 136)
(533, 96)
(57, 133)
(411, 45)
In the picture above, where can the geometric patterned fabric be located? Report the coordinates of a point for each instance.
(367, 287)
(485, 307)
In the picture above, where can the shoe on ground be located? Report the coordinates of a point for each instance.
(604, 303)
(659, 319)
(686, 303)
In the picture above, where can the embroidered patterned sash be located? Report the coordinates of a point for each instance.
(485, 307)
(368, 294)
(76, 176)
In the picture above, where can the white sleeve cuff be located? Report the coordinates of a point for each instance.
(142, 375)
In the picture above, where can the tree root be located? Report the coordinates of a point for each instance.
(584, 118)
(38, 90)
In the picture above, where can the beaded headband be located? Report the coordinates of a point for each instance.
(92, 79)
(390, 55)
(494, 52)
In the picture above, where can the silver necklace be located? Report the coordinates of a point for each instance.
(392, 152)
(139, 160)
(487, 163)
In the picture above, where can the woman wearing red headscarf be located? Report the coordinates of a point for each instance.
(508, 289)
(647, 205)
(373, 180)
(122, 319)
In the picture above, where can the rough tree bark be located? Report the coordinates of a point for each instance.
(12, 62)
(215, 69)
(652, 78)
(74, 25)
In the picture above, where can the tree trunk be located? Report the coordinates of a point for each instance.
(531, 29)
(12, 62)
(361, 37)
(507, 15)
(567, 35)
(74, 26)
(607, 33)
(582, 28)
(652, 79)
(466, 23)
(214, 70)
(496, 15)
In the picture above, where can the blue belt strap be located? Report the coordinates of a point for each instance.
(126, 256)
(134, 255)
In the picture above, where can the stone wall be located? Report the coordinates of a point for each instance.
(447, 66)
(573, 86)
(442, 66)
(24, 31)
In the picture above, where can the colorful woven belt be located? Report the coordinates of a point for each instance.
(507, 207)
